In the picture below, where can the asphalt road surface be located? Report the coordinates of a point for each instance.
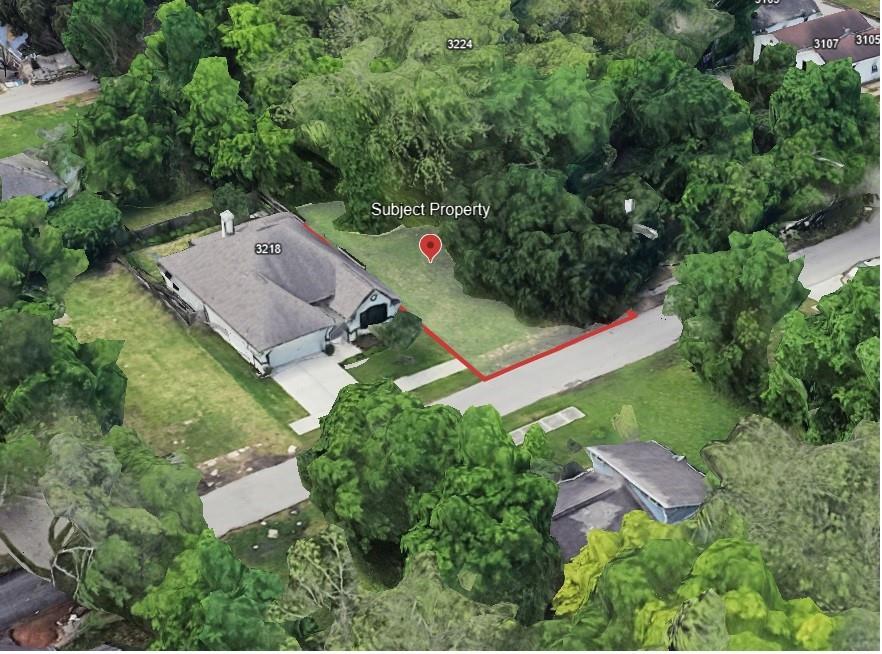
(650, 332)
(28, 97)
(268, 491)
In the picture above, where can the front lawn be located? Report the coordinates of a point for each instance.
(20, 131)
(485, 332)
(673, 406)
(188, 391)
(270, 554)
(388, 363)
(445, 386)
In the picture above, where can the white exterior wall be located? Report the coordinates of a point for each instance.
(804, 56)
(354, 325)
(865, 69)
(232, 337)
(299, 348)
(183, 292)
(761, 40)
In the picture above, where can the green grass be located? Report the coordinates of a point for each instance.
(446, 386)
(145, 258)
(673, 406)
(135, 217)
(188, 391)
(392, 364)
(870, 7)
(21, 130)
(485, 332)
(271, 553)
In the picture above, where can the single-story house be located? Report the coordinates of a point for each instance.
(626, 477)
(664, 483)
(24, 174)
(275, 291)
(588, 501)
(769, 17)
(829, 38)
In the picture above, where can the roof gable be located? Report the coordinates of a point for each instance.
(270, 299)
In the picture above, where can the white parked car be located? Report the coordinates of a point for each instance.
(848, 275)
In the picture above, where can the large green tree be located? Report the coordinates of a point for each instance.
(128, 137)
(728, 303)
(541, 251)
(88, 222)
(379, 449)
(824, 379)
(652, 586)
(488, 519)
(33, 255)
(105, 35)
(208, 600)
(813, 511)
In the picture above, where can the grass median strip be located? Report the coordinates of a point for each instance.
(673, 406)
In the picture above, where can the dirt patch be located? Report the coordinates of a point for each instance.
(53, 628)
(235, 465)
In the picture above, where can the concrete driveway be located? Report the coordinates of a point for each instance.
(314, 384)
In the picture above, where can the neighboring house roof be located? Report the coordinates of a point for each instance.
(769, 15)
(273, 299)
(585, 502)
(653, 469)
(833, 26)
(849, 47)
(22, 174)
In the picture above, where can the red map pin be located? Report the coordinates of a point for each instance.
(430, 246)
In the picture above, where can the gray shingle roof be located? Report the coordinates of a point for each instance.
(585, 502)
(655, 470)
(767, 15)
(272, 299)
(22, 174)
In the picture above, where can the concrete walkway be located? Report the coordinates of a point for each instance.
(427, 376)
(314, 384)
(253, 497)
(28, 97)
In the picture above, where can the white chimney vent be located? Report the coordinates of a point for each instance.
(228, 228)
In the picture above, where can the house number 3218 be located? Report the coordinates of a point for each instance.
(267, 248)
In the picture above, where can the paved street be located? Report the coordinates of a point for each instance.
(268, 491)
(647, 334)
(28, 97)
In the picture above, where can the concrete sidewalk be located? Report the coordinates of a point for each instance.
(427, 376)
(253, 497)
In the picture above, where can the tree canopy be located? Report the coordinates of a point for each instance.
(379, 448)
(813, 511)
(824, 378)
(652, 585)
(32, 252)
(729, 302)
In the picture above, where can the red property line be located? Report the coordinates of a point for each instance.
(629, 315)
